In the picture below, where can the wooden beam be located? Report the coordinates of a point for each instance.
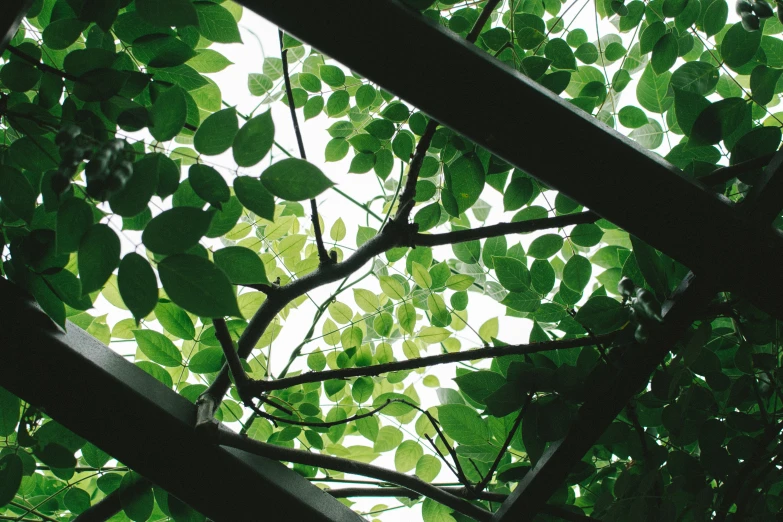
(96, 393)
(500, 109)
(765, 200)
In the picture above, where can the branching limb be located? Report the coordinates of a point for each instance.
(229, 438)
(232, 359)
(323, 255)
(259, 387)
(406, 200)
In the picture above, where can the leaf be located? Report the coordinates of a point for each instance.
(696, 77)
(561, 54)
(332, 75)
(209, 61)
(512, 273)
(407, 455)
(602, 315)
(254, 140)
(99, 255)
(295, 180)
(664, 53)
(209, 185)
(10, 477)
(208, 360)
(254, 197)
(174, 320)
(687, 107)
(463, 424)
(577, 272)
(388, 438)
(480, 385)
(169, 113)
(526, 301)
(427, 468)
(137, 503)
(241, 265)
(61, 34)
(739, 46)
(652, 90)
(74, 218)
(649, 136)
(428, 217)
(176, 230)
(651, 266)
(158, 348)
(216, 134)
(134, 198)
(718, 121)
(216, 23)
(763, 80)
(392, 287)
(138, 285)
(715, 17)
(432, 511)
(544, 247)
(465, 180)
(177, 13)
(198, 286)
(161, 50)
(16, 193)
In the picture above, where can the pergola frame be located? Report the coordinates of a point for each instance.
(495, 107)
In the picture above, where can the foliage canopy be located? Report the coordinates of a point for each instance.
(109, 193)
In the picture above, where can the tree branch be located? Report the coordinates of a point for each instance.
(40, 65)
(323, 255)
(406, 200)
(502, 229)
(259, 387)
(229, 438)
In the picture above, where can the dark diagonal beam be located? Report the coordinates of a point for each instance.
(765, 200)
(500, 109)
(11, 15)
(604, 403)
(124, 411)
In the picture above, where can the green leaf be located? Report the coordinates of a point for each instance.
(216, 23)
(176, 230)
(649, 136)
(480, 385)
(577, 272)
(432, 511)
(687, 107)
(254, 140)
(739, 46)
(332, 75)
(602, 315)
(174, 320)
(407, 455)
(696, 77)
(216, 133)
(465, 180)
(158, 348)
(715, 17)
(177, 13)
(139, 503)
(134, 198)
(428, 216)
(427, 468)
(61, 34)
(586, 235)
(138, 285)
(295, 180)
(561, 54)
(209, 61)
(718, 121)
(632, 117)
(763, 80)
(651, 266)
(337, 103)
(650, 36)
(544, 247)
(77, 500)
(525, 301)
(99, 255)
(208, 360)
(664, 53)
(652, 90)
(169, 113)
(241, 265)
(396, 112)
(389, 437)
(9, 412)
(512, 273)
(16, 193)
(587, 53)
(198, 286)
(209, 185)
(254, 197)
(463, 424)
(10, 477)
(161, 50)
(74, 218)
(395, 409)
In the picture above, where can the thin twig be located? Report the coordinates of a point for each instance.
(323, 255)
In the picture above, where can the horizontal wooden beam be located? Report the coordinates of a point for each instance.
(96, 393)
(502, 110)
